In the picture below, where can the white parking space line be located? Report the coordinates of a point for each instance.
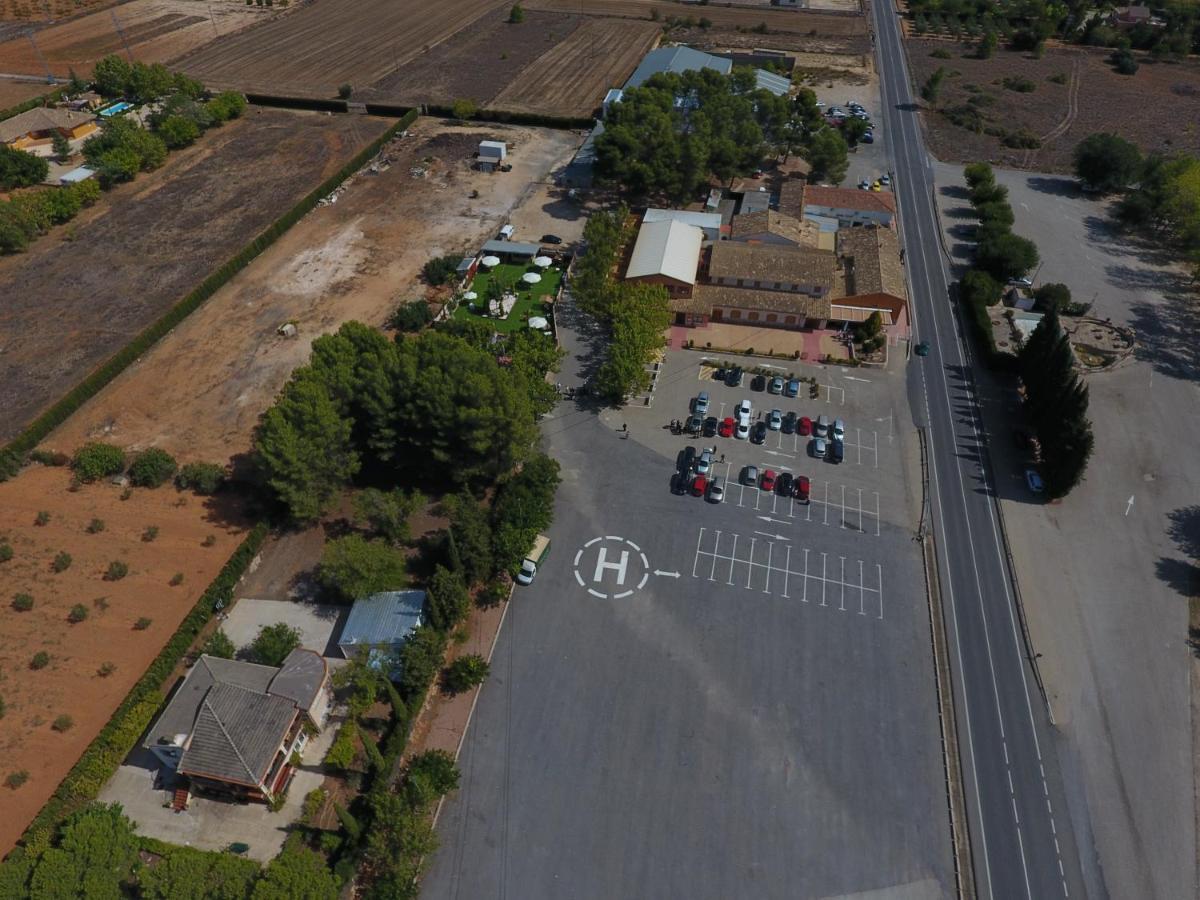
(831, 391)
(862, 448)
(769, 572)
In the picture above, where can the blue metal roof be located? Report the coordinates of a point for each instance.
(677, 60)
(382, 620)
(769, 81)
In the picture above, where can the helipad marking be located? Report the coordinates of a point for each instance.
(613, 566)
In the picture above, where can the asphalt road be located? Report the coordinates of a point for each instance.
(1021, 833)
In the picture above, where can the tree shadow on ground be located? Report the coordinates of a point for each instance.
(1058, 187)
(1178, 574)
(1183, 575)
(955, 191)
(960, 212)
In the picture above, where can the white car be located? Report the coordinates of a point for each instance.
(704, 463)
(528, 570)
(885, 180)
(864, 185)
(1023, 281)
(821, 428)
(742, 432)
(775, 420)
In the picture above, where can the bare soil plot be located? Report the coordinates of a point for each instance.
(1088, 97)
(70, 683)
(156, 31)
(81, 292)
(14, 92)
(723, 17)
(477, 62)
(718, 40)
(571, 79)
(201, 389)
(41, 10)
(327, 43)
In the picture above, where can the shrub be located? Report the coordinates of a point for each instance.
(116, 571)
(62, 561)
(178, 131)
(203, 478)
(494, 593)
(1022, 139)
(209, 540)
(96, 460)
(220, 645)
(63, 723)
(49, 458)
(464, 109)
(1124, 62)
(78, 613)
(313, 801)
(941, 54)
(412, 316)
(106, 669)
(6, 552)
(16, 779)
(40, 660)
(150, 533)
(142, 624)
(465, 672)
(42, 518)
(1020, 84)
(95, 526)
(345, 90)
(176, 579)
(1060, 78)
(152, 467)
(440, 269)
(22, 602)
(274, 643)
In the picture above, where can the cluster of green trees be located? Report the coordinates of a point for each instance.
(114, 77)
(675, 132)
(28, 215)
(636, 314)
(430, 408)
(20, 169)
(1056, 400)
(99, 855)
(1161, 191)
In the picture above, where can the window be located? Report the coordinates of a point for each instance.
(789, 320)
(771, 317)
(753, 317)
(735, 314)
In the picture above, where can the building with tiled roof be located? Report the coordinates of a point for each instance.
(772, 267)
(871, 257)
(771, 227)
(851, 206)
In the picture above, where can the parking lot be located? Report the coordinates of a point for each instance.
(711, 699)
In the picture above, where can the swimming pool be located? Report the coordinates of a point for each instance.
(115, 109)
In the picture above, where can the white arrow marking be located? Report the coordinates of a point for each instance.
(774, 521)
(778, 537)
(852, 378)
(667, 574)
(1129, 505)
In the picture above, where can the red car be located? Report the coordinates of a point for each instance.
(805, 427)
(802, 488)
(725, 429)
(768, 481)
(699, 486)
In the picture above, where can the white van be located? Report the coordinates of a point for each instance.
(506, 233)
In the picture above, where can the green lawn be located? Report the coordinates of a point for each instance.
(530, 298)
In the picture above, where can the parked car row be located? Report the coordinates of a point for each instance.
(784, 484)
(693, 475)
(741, 427)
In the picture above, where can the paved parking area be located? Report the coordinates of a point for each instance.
(711, 700)
(319, 624)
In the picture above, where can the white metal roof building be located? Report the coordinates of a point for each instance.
(677, 60)
(708, 222)
(769, 81)
(493, 150)
(667, 249)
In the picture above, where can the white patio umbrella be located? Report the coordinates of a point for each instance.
(531, 278)
(490, 261)
(542, 261)
(470, 295)
(538, 322)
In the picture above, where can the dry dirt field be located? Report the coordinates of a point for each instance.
(327, 43)
(70, 684)
(157, 31)
(476, 63)
(1157, 108)
(570, 80)
(15, 92)
(785, 21)
(70, 303)
(355, 259)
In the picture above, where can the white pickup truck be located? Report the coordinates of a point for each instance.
(529, 565)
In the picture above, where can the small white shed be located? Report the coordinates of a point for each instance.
(492, 151)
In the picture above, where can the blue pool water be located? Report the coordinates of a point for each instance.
(115, 109)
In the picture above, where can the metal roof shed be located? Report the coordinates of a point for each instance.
(83, 173)
(677, 60)
(669, 248)
(511, 248)
(494, 151)
(382, 621)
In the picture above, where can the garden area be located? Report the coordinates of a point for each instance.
(531, 300)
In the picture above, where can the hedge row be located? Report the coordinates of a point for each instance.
(12, 455)
(514, 118)
(32, 103)
(133, 716)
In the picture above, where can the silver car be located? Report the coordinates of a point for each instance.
(716, 490)
(839, 430)
(775, 420)
(749, 476)
(818, 448)
(704, 463)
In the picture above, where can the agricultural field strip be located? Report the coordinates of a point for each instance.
(337, 41)
(776, 20)
(569, 79)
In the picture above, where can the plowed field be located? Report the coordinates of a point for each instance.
(788, 21)
(571, 79)
(156, 31)
(317, 48)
